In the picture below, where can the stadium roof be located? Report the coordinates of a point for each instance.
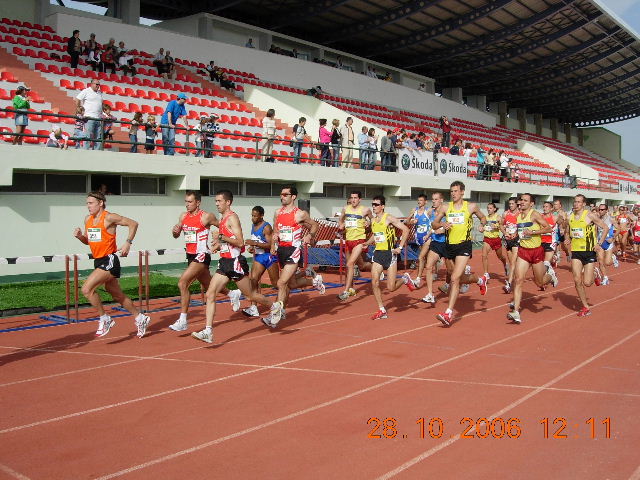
(572, 60)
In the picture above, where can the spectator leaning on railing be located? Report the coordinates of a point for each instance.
(299, 134)
(324, 138)
(175, 109)
(386, 149)
(21, 104)
(269, 134)
(363, 143)
(91, 99)
(348, 142)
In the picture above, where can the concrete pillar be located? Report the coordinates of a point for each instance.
(454, 94)
(521, 115)
(126, 10)
(581, 137)
(430, 87)
(477, 101)
(501, 110)
(537, 121)
(42, 11)
(263, 42)
(567, 132)
(554, 128)
(205, 27)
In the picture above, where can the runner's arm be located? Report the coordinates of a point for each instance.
(396, 222)
(274, 236)
(544, 225)
(177, 228)
(437, 220)
(341, 219)
(603, 228)
(308, 222)
(268, 233)
(132, 225)
(481, 216)
(82, 236)
(234, 225)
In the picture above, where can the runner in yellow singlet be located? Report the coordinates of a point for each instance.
(492, 240)
(383, 228)
(354, 220)
(456, 219)
(584, 245)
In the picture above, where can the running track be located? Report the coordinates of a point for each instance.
(294, 403)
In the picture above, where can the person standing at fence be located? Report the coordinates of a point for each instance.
(348, 143)
(363, 143)
(175, 109)
(445, 125)
(269, 134)
(336, 141)
(91, 99)
(21, 105)
(194, 225)
(287, 243)
(324, 139)
(299, 135)
(100, 234)
(354, 220)
(456, 219)
(385, 255)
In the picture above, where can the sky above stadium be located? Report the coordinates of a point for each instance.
(627, 10)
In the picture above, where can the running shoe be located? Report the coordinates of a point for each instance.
(434, 276)
(317, 283)
(380, 314)
(605, 281)
(483, 285)
(429, 298)
(554, 261)
(616, 263)
(638, 262)
(597, 278)
(552, 274)
(234, 298)
(356, 271)
(382, 276)
(346, 294)
(142, 324)
(309, 271)
(276, 313)
(486, 275)
(267, 321)
(444, 288)
(251, 311)
(445, 318)
(584, 312)
(178, 325)
(417, 282)
(413, 266)
(464, 288)
(514, 317)
(203, 335)
(104, 326)
(406, 278)
(467, 270)
(507, 287)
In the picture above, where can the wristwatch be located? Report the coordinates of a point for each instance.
(130, 242)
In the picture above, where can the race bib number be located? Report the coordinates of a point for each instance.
(351, 223)
(577, 233)
(94, 234)
(488, 227)
(190, 236)
(286, 234)
(455, 218)
(379, 237)
(511, 229)
(521, 233)
(422, 228)
(623, 220)
(224, 248)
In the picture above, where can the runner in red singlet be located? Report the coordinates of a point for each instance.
(100, 235)
(509, 230)
(549, 240)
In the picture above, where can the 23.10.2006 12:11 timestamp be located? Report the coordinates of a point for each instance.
(498, 427)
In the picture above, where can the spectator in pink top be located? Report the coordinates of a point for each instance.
(324, 138)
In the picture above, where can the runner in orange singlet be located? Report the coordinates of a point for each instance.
(100, 235)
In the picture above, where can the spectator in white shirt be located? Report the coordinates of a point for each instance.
(269, 132)
(91, 99)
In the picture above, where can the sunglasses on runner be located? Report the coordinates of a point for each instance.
(376, 204)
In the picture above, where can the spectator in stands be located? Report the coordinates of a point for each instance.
(104, 189)
(111, 44)
(91, 99)
(269, 134)
(200, 128)
(120, 49)
(225, 82)
(80, 130)
(108, 58)
(125, 62)
(315, 91)
(175, 109)
(158, 62)
(169, 65)
(249, 43)
(339, 63)
(107, 124)
(336, 141)
(480, 160)
(21, 105)
(90, 45)
(515, 171)
(136, 123)
(324, 138)
(468, 150)
(387, 77)
(74, 48)
(437, 146)
(419, 139)
(373, 148)
(213, 71)
(410, 142)
(446, 131)
(210, 131)
(294, 53)
(58, 139)
(489, 164)
(150, 132)
(386, 150)
(348, 142)
(457, 148)
(567, 177)
(370, 72)
(363, 143)
(504, 166)
(422, 87)
(95, 59)
(299, 134)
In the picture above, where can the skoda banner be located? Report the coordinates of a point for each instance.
(627, 187)
(420, 162)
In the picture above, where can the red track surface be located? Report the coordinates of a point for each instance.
(294, 403)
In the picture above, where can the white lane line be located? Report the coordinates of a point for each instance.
(12, 473)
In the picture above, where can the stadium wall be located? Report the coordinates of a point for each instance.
(603, 142)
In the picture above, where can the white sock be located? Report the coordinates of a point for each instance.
(104, 317)
(448, 311)
(479, 282)
(546, 263)
(207, 329)
(140, 316)
(382, 309)
(183, 317)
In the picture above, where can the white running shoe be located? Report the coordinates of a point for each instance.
(142, 325)
(203, 335)
(356, 271)
(429, 298)
(514, 317)
(179, 325)
(417, 282)
(251, 311)
(506, 287)
(464, 288)
(317, 283)
(616, 263)
(444, 288)
(276, 313)
(104, 326)
(605, 281)
(467, 270)
(234, 298)
(552, 274)
(309, 271)
(486, 275)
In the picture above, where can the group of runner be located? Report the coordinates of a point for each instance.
(522, 238)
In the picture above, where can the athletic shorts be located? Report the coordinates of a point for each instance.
(531, 255)
(266, 259)
(494, 243)
(607, 245)
(233, 268)
(110, 263)
(438, 247)
(421, 238)
(386, 258)
(204, 258)
(560, 238)
(549, 247)
(584, 257)
(290, 255)
(511, 244)
(351, 244)
(458, 250)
